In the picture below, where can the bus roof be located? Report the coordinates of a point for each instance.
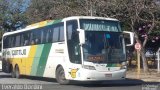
(50, 22)
(89, 17)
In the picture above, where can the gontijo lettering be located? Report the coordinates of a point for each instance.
(19, 52)
(15, 52)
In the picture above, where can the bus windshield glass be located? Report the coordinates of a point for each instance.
(103, 41)
(104, 47)
(100, 25)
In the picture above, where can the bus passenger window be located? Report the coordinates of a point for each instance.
(61, 32)
(37, 41)
(32, 42)
(26, 42)
(17, 39)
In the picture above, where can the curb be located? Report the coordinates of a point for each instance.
(150, 80)
(146, 80)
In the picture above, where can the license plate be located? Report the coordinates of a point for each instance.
(108, 75)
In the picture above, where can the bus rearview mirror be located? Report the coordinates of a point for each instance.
(81, 36)
(130, 37)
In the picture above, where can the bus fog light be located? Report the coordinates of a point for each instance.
(89, 67)
(123, 67)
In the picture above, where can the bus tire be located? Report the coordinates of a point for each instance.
(12, 72)
(60, 76)
(17, 73)
(6, 66)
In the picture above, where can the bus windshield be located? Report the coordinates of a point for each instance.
(104, 47)
(104, 41)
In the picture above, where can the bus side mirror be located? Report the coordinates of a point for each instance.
(130, 36)
(81, 36)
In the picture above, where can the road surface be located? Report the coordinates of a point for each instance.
(31, 83)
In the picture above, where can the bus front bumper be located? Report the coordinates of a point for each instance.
(93, 75)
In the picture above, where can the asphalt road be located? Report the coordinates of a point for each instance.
(35, 83)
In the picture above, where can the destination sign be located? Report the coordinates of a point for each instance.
(96, 58)
(100, 25)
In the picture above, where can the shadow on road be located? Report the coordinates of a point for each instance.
(4, 75)
(127, 82)
(110, 83)
(39, 78)
(115, 83)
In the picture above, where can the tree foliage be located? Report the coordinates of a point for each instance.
(11, 14)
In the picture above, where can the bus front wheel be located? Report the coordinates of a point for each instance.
(60, 76)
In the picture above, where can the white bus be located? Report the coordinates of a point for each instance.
(80, 48)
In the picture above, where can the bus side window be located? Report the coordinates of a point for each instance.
(43, 36)
(12, 41)
(73, 42)
(31, 40)
(55, 34)
(37, 36)
(22, 40)
(6, 42)
(48, 36)
(17, 39)
(9, 41)
(61, 36)
(58, 32)
(37, 41)
(26, 42)
(26, 38)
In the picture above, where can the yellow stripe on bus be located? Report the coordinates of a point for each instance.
(39, 24)
(29, 62)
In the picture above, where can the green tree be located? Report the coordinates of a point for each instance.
(12, 14)
(40, 10)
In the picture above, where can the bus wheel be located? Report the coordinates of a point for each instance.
(13, 73)
(17, 74)
(60, 76)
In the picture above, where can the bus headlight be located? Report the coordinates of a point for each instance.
(89, 67)
(124, 65)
